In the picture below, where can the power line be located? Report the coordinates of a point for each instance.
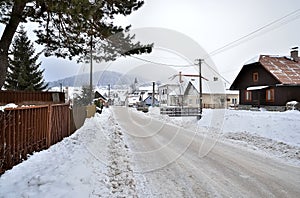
(164, 64)
(233, 43)
(240, 40)
(229, 45)
(212, 69)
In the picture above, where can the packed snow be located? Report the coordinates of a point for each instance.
(96, 162)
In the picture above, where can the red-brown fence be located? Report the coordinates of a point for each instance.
(31, 97)
(59, 123)
(25, 130)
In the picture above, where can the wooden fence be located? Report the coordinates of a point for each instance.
(25, 130)
(31, 97)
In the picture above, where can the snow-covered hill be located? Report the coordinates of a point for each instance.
(100, 78)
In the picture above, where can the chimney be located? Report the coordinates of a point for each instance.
(294, 54)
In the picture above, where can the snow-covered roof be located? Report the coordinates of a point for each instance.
(284, 69)
(232, 92)
(256, 88)
(209, 87)
(255, 59)
(133, 99)
(148, 89)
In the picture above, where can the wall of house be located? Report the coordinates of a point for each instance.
(191, 101)
(282, 95)
(165, 97)
(232, 99)
(245, 77)
(258, 98)
(210, 100)
(214, 100)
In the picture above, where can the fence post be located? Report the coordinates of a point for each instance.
(49, 126)
(69, 121)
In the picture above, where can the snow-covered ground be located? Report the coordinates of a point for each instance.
(275, 133)
(95, 161)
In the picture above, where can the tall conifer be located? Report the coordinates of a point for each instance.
(24, 72)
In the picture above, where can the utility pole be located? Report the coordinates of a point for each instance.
(200, 89)
(109, 94)
(153, 93)
(91, 70)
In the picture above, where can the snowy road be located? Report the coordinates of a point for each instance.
(170, 161)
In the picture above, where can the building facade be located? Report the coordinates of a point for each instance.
(269, 82)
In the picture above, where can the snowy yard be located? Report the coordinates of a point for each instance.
(96, 161)
(276, 133)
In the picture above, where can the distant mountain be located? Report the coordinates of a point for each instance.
(100, 78)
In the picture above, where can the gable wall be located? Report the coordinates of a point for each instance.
(245, 77)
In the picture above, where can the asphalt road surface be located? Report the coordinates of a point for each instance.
(170, 161)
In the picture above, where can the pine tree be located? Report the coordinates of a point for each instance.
(24, 72)
(84, 98)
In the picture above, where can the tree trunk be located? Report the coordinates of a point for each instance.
(7, 37)
(3, 67)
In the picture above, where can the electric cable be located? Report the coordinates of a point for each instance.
(245, 37)
(231, 44)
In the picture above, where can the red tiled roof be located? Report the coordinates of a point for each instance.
(285, 70)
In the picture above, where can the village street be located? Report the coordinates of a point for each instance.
(126, 153)
(170, 161)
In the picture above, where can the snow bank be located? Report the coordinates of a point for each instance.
(93, 162)
(278, 126)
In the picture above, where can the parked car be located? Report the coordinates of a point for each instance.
(141, 106)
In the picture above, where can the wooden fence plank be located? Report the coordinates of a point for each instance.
(33, 97)
(25, 130)
(2, 142)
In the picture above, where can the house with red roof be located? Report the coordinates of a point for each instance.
(270, 81)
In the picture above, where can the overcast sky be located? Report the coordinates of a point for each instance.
(211, 24)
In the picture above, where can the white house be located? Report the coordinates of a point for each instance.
(133, 99)
(186, 94)
(170, 94)
(142, 95)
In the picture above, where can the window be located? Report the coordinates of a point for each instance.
(248, 96)
(234, 101)
(270, 95)
(255, 76)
